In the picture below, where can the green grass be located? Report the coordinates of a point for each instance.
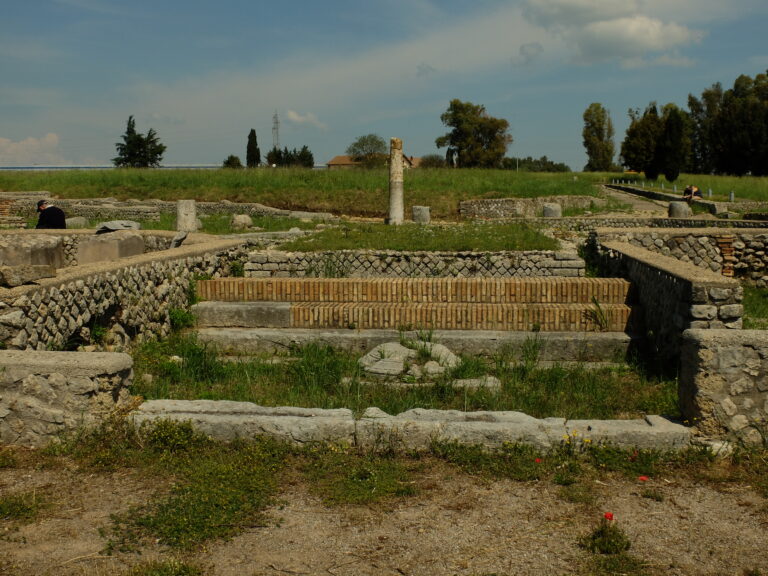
(753, 188)
(755, 307)
(323, 377)
(474, 236)
(343, 476)
(358, 192)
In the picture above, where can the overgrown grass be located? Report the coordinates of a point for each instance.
(474, 236)
(358, 192)
(323, 377)
(744, 187)
(755, 308)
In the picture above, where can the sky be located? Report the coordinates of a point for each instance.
(202, 74)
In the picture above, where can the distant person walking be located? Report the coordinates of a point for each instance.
(50, 216)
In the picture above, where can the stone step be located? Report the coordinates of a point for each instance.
(557, 347)
(442, 316)
(418, 290)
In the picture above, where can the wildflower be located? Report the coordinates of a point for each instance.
(643, 478)
(538, 460)
(608, 516)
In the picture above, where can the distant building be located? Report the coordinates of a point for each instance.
(346, 162)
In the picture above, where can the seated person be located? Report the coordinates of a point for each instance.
(50, 216)
(691, 192)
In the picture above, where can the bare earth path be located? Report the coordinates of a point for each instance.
(456, 524)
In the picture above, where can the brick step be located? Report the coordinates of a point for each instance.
(418, 290)
(439, 316)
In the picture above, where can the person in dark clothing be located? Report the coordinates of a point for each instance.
(50, 216)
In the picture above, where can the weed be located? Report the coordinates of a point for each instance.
(652, 494)
(22, 506)
(171, 567)
(237, 269)
(515, 461)
(578, 493)
(597, 316)
(469, 367)
(219, 492)
(621, 563)
(7, 459)
(181, 318)
(171, 437)
(567, 473)
(607, 538)
(342, 476)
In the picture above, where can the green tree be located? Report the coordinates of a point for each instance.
(138, 151)
(252, 152)
(232, 161)
(638, 150)
(370, 150)
(305, 158)
(703, 114)
(275, 157)
(674, 146)
(477, 140)
(598, 138)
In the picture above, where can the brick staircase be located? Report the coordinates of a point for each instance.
(8, 220)
(533, 304)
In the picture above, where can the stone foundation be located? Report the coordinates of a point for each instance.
(723, 388)
(389, 264)
(47, 394)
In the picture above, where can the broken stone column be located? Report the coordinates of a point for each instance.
(186, 216)
(679, 210)
(395, 181)
(421, 214)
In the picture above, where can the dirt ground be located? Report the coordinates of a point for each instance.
(456, 524)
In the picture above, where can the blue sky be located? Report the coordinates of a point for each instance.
(202, 74)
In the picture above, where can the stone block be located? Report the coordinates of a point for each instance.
(109, 247)
(32, 250)
(12, 276)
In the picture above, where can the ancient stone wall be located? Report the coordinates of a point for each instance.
(119, 303)
(47, 394)
(673, 296)
(733, 253)
(723, 388)
(495, 208)
(369, 263)
(111, 209)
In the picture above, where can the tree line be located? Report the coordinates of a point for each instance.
(722, 132)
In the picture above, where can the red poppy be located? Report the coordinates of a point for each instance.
(608, 516)
(538, 460)
(643, 478)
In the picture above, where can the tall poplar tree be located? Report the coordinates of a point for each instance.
(598, 138)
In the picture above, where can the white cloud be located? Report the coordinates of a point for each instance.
(630, 38)
(574, 13)
(632, 31)
(30, 151)
(306, 119)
